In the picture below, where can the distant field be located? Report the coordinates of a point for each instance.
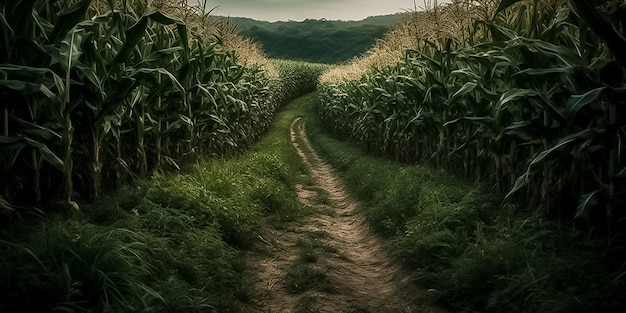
(318, 41)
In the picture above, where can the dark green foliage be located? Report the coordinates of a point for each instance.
(318, 41)
(529, 103)
(296, 79)
(150, 253)
(168, 244)
(69, 266)
(95, 95)
(477, 253)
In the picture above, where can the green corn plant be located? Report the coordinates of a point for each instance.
(20, 82)
(96, 92)
(599, 22)
(502, 107)
(65, 55)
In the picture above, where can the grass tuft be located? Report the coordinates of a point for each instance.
(302, 277)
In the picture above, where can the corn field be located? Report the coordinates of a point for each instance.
(95, 93)
(526, 96)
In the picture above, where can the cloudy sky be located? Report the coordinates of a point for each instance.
(297, 10)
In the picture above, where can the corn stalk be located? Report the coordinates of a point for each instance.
(526, 105)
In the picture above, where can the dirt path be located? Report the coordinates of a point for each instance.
(330, 262)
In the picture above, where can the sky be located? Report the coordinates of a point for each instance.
(298, 10)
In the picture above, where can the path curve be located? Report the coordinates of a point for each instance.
(364, 278)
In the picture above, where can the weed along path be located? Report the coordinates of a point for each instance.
(328, 261)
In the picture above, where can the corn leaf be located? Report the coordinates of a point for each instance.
(577, 102)
(25, 88)
(69, 18)
(561, 145)
(22, 71)
(585, 204)
(467, 88)
(19, 143)
(163, 71)
(520, 183)
(137, 31)
(70, 49)
(37, 131)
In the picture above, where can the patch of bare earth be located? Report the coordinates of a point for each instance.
(359, 275)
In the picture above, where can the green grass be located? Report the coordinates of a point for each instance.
(171, 243)
(308, 255)
(303, 277)
(312, 247)
(471, 246)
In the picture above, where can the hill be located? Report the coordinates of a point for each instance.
(321, 41)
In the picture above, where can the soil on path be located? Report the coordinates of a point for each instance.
(348, 267)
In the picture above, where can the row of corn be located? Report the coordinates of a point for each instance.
(94, 93)
(528, 98)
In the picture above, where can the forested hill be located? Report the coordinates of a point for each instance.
(321, 41)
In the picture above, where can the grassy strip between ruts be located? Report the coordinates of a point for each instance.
(169, 244)
(469, 246)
